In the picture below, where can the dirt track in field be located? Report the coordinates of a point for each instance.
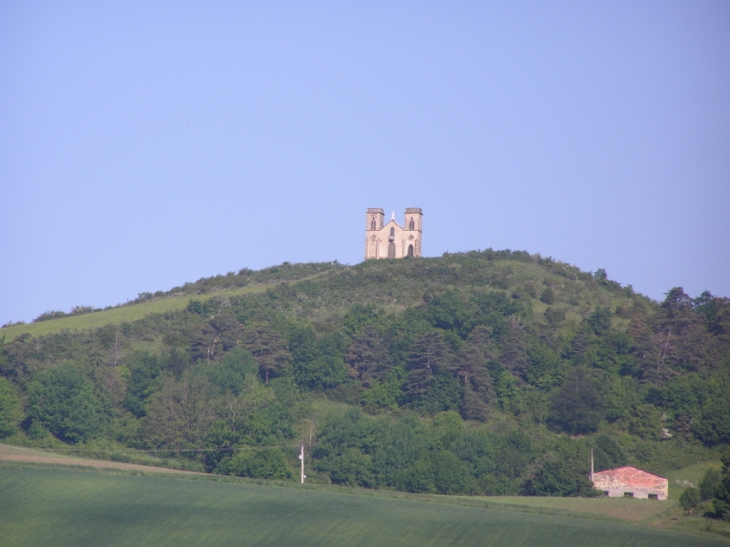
(10, 453)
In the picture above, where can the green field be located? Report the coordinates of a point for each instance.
(620, 508)
(131, 312)
(68, 507)
(693, 474)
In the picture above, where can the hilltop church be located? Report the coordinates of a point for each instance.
(392, 240)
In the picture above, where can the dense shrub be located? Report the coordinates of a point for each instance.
(262, 463)
(67, 404)
(10, 410)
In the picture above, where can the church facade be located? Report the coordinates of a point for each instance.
(392, 240)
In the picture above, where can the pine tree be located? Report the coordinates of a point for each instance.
(579, 345)
(575, 407)
(368, 357)
(429, 355)
(682, 336)
(481, 337)
(514, 349)
(221, 334)
(651, 367)
(468, 362)
(268, 348)
(470, 367)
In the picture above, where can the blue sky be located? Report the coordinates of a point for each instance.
(146, 144)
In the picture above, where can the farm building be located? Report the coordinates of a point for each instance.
(630, 482)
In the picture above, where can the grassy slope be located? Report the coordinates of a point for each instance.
(692, 474)
(131, 312)
(395, 285)
(332, 284)
(59, 507)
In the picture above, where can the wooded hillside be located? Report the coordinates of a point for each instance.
(484, 372)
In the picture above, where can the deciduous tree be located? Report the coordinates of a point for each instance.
(10, 409)
(689, 499)
(710, 481)
(67, 404)
(181, 413)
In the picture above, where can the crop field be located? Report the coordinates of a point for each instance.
(619, 508)
(68, 507)
(131, 312)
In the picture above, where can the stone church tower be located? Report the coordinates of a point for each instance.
(392, 240)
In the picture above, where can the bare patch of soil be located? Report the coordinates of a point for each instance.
(10, 453)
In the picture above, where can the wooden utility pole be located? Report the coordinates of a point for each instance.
(301, 457)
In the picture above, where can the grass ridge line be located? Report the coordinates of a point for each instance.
(120, 314)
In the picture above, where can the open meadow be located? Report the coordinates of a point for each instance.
(52, 506)
(679, 479)
(119, 314)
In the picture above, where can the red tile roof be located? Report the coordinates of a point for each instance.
(631, 476)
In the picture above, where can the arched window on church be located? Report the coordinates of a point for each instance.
(372, 224)
(410, 249)
(411, 224)
(392, 232)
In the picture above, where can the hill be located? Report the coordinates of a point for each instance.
(177, 298)
(482, 373)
